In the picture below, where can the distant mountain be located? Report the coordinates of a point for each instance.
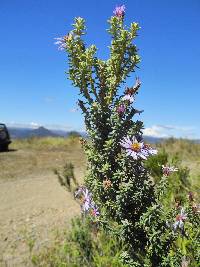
(60, 132)
(19, 132)
(41, 132)
(27, 132)
(65, 133)
(153, 140)
(44, 132)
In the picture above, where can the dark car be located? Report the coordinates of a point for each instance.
(4, 137)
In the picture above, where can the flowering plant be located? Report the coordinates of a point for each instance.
(87, 203)
(130, 204)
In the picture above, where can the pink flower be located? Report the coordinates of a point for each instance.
(120, 109)
(137, 149)
(180, 218)
(119, 11)
(167, 170)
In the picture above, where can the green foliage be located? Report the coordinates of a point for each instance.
(154, 164)
(85, 245)
(178, 182)
(167, 245)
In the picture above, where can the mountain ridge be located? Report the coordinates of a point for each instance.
(20, 133)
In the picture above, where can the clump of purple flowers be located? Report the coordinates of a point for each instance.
(167, 170)
(137, 150)
(121, 109)
(119, 11)
(87, 203)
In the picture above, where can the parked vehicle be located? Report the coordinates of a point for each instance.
(4, 137)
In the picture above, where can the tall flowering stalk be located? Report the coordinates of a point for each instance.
(116, 176)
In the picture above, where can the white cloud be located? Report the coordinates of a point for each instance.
(175, 127)
(34, 125)
(30, 125)
(58, 127)
(154, 131)
(165, 131)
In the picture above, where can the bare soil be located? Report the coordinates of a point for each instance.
(33, 205)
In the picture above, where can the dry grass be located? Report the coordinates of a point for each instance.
(32, 156)
(186, 149)
(189, 154)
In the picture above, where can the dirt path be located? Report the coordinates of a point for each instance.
(33, 205)
(30, 210)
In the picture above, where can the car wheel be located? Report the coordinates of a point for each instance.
(4, 147)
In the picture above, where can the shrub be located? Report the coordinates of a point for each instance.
(66, 177)
(117, 179)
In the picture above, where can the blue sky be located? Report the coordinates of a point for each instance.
(34, 89)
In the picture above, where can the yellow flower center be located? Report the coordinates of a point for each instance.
(135, 147)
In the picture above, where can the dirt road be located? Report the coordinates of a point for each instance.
(32, 208)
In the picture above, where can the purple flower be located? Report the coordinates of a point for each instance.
(120, 109)
(128, 98)
(79, 191)
(61, 42)
(137, 149)
(150, 150)
(119, 11)
(86, 198)
(95, 211)
(180, 218)
(167, 170)
(87, 203)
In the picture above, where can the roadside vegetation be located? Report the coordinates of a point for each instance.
(83, 242)
(187, 153)
(64, 156)
(40, 156)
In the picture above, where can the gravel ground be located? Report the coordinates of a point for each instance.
(32, 207)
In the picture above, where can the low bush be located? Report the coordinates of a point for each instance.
(120, 192)
(84, 245)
